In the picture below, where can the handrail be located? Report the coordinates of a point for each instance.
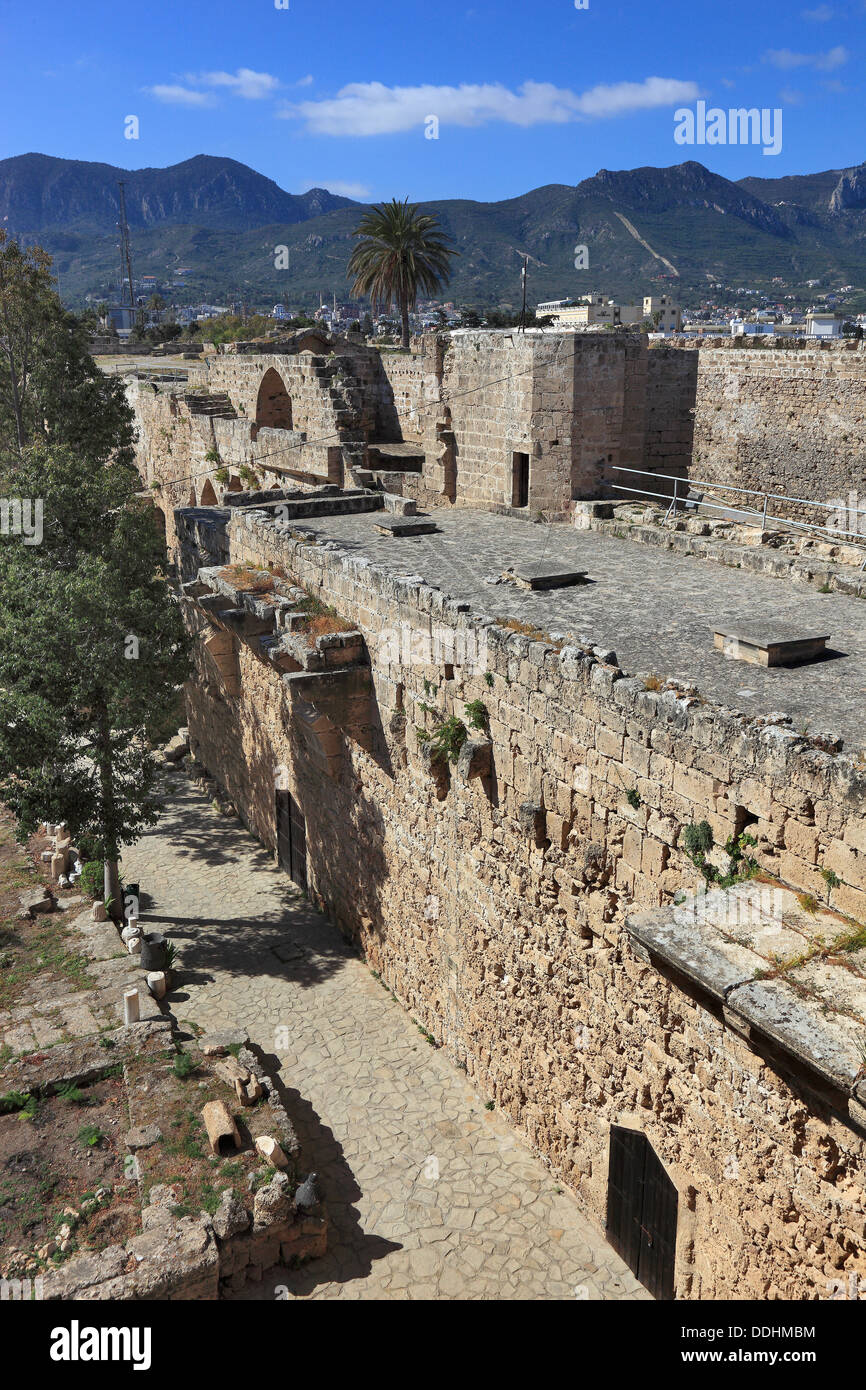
(839, 534)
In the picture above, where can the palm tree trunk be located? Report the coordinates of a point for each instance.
(404, 318)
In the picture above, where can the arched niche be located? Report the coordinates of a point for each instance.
(274, 404)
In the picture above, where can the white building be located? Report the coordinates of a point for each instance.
(823, 325)
(670, 315)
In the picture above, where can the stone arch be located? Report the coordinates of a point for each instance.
(234, 484)
(314, 342)
(208, 496)
(274, 404)
(191, 502)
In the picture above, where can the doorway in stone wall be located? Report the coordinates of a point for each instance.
(520, 480)
(291, 838)
(642, 1211)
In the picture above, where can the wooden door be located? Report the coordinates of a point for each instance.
(642, 1211)
(291, 839)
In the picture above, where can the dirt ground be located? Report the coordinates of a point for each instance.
(41, 950)
(60, 1156)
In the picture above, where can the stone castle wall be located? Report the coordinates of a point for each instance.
(788, 420)
(493, 906)
(580, 406)
(573, 403)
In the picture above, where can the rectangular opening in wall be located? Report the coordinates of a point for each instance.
(291, 838)
(519, 480)
(642, 1206)
(335, 465)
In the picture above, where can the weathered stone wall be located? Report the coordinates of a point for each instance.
(787, 420)
(493, 906)
(574, 403)
(580, 406)
(408, 384)
(670, 406)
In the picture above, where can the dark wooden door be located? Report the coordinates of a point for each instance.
(520, 480)
(642, 1211)
(291, 838)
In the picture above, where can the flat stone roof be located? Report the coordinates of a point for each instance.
(794, 976)
(655, 608)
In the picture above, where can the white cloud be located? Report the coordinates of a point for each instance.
(371, 108)
(791, 97)
(180, 96)
(253, 86)
(821, 15)
(787, 60)
(305, 81)
(345, 188)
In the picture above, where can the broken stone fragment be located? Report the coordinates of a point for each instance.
(474, 759)
(142, 1137)
(157, 983)
(231, 1216)
(229, 1069)
(98, 912)
(33, 902)
(272, 1202)
(221, 1128)
(271, 1152)
(218, 1044)
(249, 1091)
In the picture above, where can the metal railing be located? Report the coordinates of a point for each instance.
(762, 514)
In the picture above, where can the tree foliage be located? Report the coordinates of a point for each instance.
(92, 650)
(50, 389)
(401, 251)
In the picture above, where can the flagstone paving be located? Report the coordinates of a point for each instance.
(429, 1195)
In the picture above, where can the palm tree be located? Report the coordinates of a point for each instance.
(400, 252)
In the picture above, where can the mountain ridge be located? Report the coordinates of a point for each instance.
(223, 220)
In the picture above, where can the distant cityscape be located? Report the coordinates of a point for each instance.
(738, 311)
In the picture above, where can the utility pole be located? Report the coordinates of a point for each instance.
(125, 254)
(522, 325)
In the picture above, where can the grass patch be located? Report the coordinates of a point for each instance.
(90, 1136)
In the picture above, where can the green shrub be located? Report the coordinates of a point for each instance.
(18, 1101)
(92, 881)
(446, 740)
(476, 714)
(698, 839)
(184, 1066)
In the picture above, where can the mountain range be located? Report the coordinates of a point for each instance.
(681, 229)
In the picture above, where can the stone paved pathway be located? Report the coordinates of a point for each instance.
(430, 1196)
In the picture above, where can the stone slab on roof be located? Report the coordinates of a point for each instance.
(782, 970)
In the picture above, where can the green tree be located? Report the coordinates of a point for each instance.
(92, 652)
(26, 292)
(50, 388)
(401, 251)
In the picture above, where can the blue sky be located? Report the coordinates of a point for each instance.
(337, 94)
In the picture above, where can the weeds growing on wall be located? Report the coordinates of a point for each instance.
(444, 742)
